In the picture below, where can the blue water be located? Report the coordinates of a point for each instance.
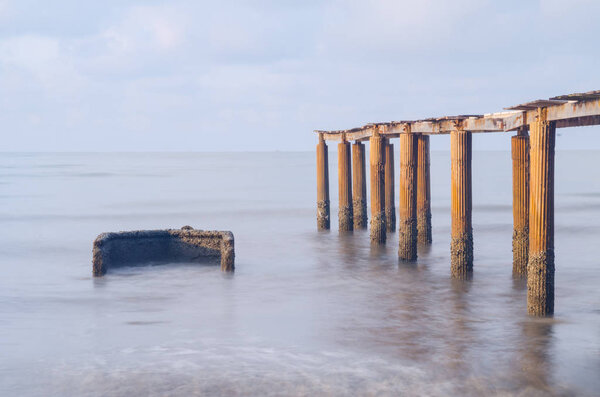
(305, 313)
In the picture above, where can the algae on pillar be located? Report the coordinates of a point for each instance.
(377, 161)
(540, 267)
(423, 191)
(390, 199)
(520, 174)
(323, 222)
(359, 186)
(461, 246)
(407, 206)
(345, 186)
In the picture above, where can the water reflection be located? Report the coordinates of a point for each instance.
(423, 249)
(348, 250)
(536, 360)
(460, 332)
(519, 282)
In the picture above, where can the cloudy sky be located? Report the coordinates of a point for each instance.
(261, 75)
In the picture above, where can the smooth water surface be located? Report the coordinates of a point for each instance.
(306, 313)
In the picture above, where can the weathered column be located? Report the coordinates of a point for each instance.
(423, 191)
(407, 206)
(461, 247)
(377, 160)
(345, 186)
(520, 174)
(359, 186)
(390, 199)
(322, 185)
(540, 267)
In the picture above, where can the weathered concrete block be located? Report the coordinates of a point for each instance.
(172, 245)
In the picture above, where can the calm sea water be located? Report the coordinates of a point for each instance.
(305, 313)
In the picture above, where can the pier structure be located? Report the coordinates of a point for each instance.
(345, 217)
(540, 264)
(323, 218)
(359, 186)
(423, 191)
(533, 182)
(377, 161)
(520, 177)
(407, 232)
(461, 245)
(390, 199)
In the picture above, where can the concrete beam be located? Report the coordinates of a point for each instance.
(569, 114)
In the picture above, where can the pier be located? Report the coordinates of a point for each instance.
(534, 127)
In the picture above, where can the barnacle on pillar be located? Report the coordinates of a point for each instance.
(407, 207)
(377, 160)
(461, 247)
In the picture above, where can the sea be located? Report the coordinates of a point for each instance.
(305, 313)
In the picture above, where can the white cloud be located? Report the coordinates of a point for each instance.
(389, 27)
(147, 28)
(30, 52)
(40, 58)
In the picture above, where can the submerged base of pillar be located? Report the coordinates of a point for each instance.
(461, 256)
(540, 284)
(360, 214)
(424, 229)
(323, 222)
(345, 219)
(378, 234)
(390, 220)
(407, 239)
(520, 248)
(161, 246)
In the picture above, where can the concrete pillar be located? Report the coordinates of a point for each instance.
(461, 247)
(540, 267)
(322, 185)
(377, 160)
(407, 206)
(520, 174)
(345, 186)
(424, 235)
(390, 194)
(359, 186)
(227, 252)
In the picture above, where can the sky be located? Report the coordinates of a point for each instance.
(183, 75)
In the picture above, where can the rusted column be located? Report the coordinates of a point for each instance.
(520, 174)
(390, 199)
(540, 267)
(461, 247)
(359, 186)
(407, 206)
(322, 185)
(345, 186)
(423, 191)
(377, 160)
